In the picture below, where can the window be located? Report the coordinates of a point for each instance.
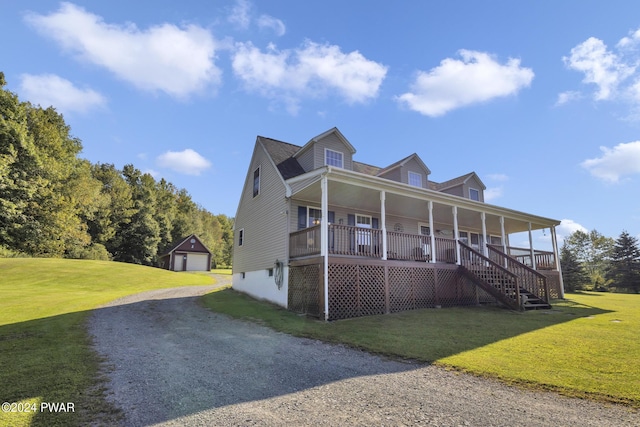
(333, 158)
(270, 272)
(424, 229)
(241, 237)
(314, 216)
(256, 182)
(474, 194)
(415, 179)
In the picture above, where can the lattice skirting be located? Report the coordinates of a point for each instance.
(361, 290)
(305, 289)
(553, 281)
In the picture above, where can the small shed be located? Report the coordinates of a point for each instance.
(190, 254)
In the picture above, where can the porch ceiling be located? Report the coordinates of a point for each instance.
(413, 204)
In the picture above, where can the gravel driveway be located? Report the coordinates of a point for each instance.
(174, 363)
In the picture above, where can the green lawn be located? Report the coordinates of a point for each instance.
(587, 345)
(45, 351)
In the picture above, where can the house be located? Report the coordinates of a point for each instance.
(319, 233)
(189, 254)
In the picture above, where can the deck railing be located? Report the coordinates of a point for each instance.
(367, 242)
(545, 260)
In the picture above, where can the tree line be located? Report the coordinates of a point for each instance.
(56, 204)
(591, 261)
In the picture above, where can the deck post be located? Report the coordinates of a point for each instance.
(324, 242)
(383, 220)
(485, 249)
(554, 241)
(504, 241)
(533, 253)
(456, 234)
(432, 232)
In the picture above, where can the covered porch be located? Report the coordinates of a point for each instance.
(350, 216)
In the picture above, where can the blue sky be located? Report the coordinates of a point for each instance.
(540, 98)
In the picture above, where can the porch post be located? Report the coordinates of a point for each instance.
(503, 236)
(485, 249)
(533, 254)
(456, 233)
(554, 241)
(383, 219)
(432, 232)
(324, 241)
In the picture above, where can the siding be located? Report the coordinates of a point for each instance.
(313, 158)
(262, 218)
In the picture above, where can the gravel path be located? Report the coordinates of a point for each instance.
(175, 363)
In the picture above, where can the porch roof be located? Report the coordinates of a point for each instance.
(351, 189)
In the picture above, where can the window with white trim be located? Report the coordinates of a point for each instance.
(415, 179)
(474, 194)
(314, 216)
(333, 158)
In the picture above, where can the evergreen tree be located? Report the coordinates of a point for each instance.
(624, 268)
(573, 274)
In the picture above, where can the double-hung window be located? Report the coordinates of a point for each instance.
(415, 179)
(474, 194)
(333, 158)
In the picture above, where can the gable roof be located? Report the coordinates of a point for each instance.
(282, 155)
(456, 182)
(182, 241)
(403, 162)
(315, 139)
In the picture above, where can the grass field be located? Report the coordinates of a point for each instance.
(586, 346)
(45, 351)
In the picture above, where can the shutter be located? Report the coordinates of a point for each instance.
(302, 217)
(332, 217)
(374, 223)
(351, 219)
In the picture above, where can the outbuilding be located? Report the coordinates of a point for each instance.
(190, 254)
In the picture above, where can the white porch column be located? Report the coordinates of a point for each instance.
(432, 232)
(324, 241)
(456, 234)
(485, 249)
(531, 251)
(383, 219)
(503, 237)
(556, 257)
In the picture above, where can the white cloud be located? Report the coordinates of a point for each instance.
(187, 161)
(240, 14)
(177, 61)
(568, 96)
(500, 177)
(566, 228)
(493, 193)
(269, 22)
(600, 66)
(51, 90)
(311, 70)
(616, 162)
(478, 77)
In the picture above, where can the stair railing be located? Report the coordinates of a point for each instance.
(492, 274)
(529, 279)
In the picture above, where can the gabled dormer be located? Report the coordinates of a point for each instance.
(468, 186)
(329, 148)
(410, 170)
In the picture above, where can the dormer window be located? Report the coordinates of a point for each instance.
(474, 194)
(415, 179)
(333, 158)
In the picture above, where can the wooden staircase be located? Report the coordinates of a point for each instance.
(514, 285)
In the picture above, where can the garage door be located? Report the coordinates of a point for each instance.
(197, 262)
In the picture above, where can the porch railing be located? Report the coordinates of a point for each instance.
(305, 242)
(545, 260)
(367, 242)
